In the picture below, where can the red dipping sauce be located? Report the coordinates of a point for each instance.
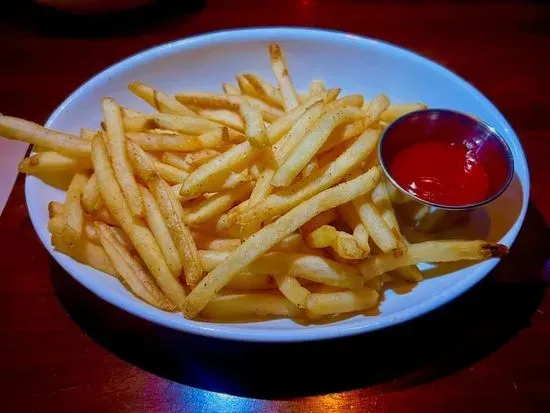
(440, 172)
(446, 159)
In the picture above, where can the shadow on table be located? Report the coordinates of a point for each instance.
(440, 343)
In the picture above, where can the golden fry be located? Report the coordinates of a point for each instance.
(280, 70)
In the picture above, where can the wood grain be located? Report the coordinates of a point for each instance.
(63, 349)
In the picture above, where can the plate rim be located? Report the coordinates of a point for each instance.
(227, 331)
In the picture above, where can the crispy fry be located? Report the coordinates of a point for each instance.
(199, 158)
(177, 160)
(86, 252)
(264, 90)
(304, 266)
(286, 199)
(207, 242)
(306, 149)
(22, 130)
(224, 117)
(192, 125)
(91, 198)
(253, 125)
(382, 235)
(431, 251)
(140, 235)
(341, 301)
(121, 165)
(160, 231)
(131, 270)
(171, 210)
(290, 287)
(270, 235)
(346, 101)
(169, 173)
(245, 87)
(217, 204)
(343, 244)
(318, 221)
(159, 100)
(350, 216)
(280, 70)
(73, 214)
(284, 147)
(251, 305)
(294, 243)
(50, 161)
(182, 143)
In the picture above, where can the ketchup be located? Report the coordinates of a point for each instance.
(440, 172)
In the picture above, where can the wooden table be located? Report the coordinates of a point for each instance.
(63, 349)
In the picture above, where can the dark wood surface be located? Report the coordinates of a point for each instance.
(63, 349)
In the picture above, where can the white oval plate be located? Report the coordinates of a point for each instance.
(357, 65)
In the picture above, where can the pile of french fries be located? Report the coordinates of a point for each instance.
(258, 202)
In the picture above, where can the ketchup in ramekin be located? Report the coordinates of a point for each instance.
(446, 159)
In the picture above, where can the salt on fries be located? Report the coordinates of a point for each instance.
(277, 208)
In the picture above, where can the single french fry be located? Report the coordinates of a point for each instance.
(308, 147)
(199, 158)
(349, 215)
(431, 251)
(272, 234)
(318, 221)
(159, 100)
(371, 115)
(217, 170)
(290, 287)
(177, 160)
(284, 147)
(245, 87)
(119, 159)
(171, 210)
(253, 125)
(283, 124)
(262, 188)
(343, 244)
(131, 270)
(85, 252)
(230, 89)
(346, 101)
(341, 301)
(395, 111)
(280, 202)
(192, 125)
(304, 266)
(23, 130)
(91, 198)
(207, 242)
(280, 70)
(249, 305)
(56, 225)
(315, 87)
(264, 90)
(155, 221)
(159, 142)
(73, 213)
(50, 161)
(382, 235)
(217, 204)
(169, 173)
(139, 234)
(294, 243)
(223, 117)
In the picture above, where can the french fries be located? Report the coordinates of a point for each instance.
(171, 210)
(50, 161)
(270, 235)
(117, 151)
(277, 206)
(131, 270)
(431, 251)
(139, 234)
(280, 70)
(73, 213)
